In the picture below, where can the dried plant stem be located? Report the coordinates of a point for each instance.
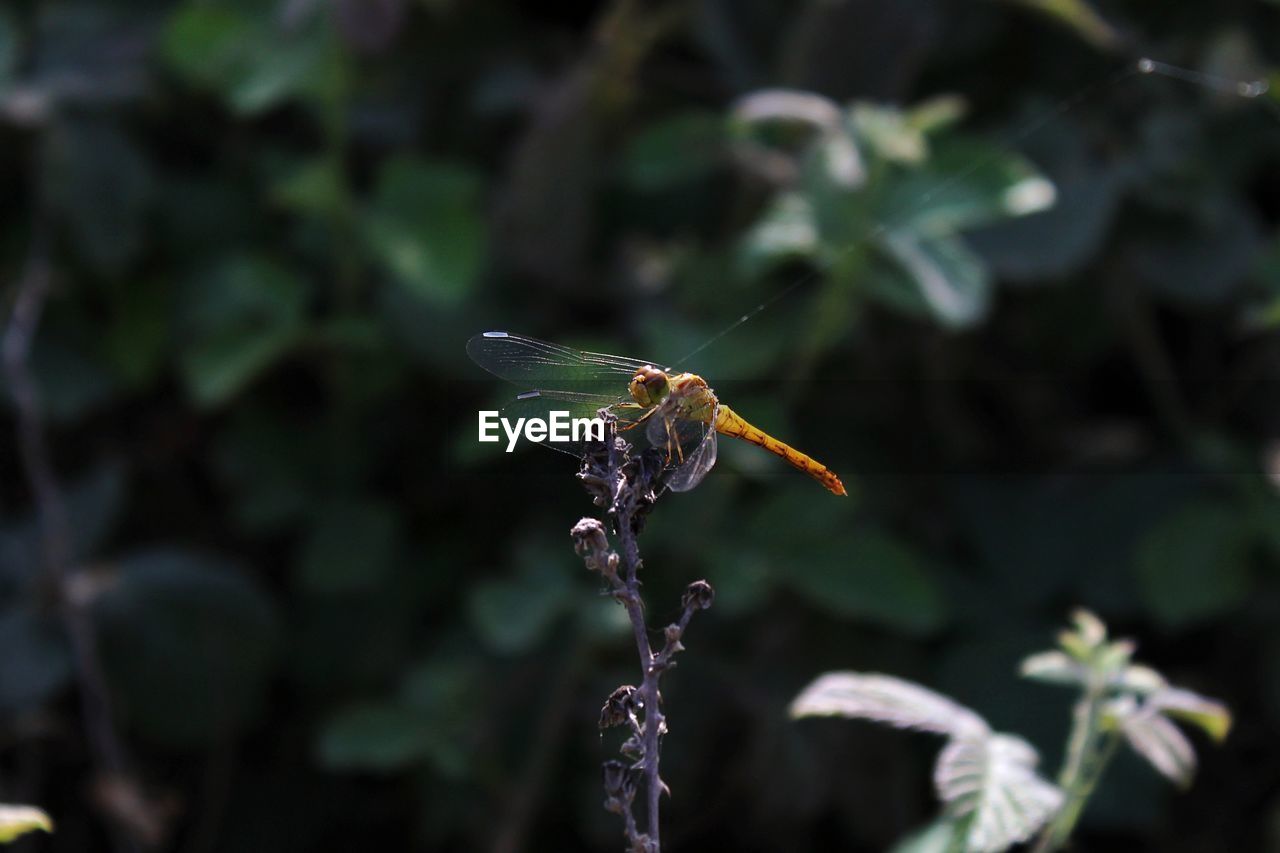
(629, 595)
(627, 487)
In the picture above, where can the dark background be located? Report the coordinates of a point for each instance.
(327, 619)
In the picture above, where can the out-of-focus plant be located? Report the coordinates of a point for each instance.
(16, 821)
(987, 780)
(326, 618)
(877, 198)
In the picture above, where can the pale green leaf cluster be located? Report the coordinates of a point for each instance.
(987, 780)
(994, 797)
(880, 197)
(16, 821)
(1135, 701)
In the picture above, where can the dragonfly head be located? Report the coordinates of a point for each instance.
(649, 386)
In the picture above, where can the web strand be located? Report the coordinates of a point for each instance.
(1222, 85)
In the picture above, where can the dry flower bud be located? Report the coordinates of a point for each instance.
(619, 782)
(698, 596)
(619, 707)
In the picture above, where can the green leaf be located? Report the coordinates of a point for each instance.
(433, 720)
(71, 377)
(35, 662)
(965, 183)
(351, 546)
(246, 56)
(987, 780)
(786, 230)
(941, 836)
(380, 738)
(292, 67)
(1210, 715)
(448, 691)
(138, 335)
(1193, 565)
(316, 187)
(777, 133)
(249, 291)
(992, 782)
(1141, 680)
(886, 699)
(1156, 739)
(673, 151)
(889, 133)
(239, 320)
(425, 227)
(937, 113)
(188, 642)
(874, 578)
(756, 111)
(513, 615)
(1091, 630)
(1080, 17)
(273, 467)
(221, 367)
(19, 820)
(102, 187)
(1054, 667)
(1047, 246)
(207, 42)
(1113, 658)
(949, 280)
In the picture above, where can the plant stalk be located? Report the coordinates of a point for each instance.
(653, 720)
(1089, 750)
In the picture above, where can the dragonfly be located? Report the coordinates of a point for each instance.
(675, 411)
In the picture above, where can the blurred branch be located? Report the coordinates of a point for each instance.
(544, 747)
(1082, 19)
(627, 487)
(546, 217)
(30, 298)
(1152, 359)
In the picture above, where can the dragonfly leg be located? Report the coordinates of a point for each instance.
(639, 420)
(672, 441)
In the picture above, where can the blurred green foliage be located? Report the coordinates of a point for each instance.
(1033, 331)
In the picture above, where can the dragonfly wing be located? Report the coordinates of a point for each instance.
(695, 466)
(690, 446)
(538, 364)
(575, 406)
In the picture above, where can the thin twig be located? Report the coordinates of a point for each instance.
(1151, 357)
(544, 744)
(29, 301)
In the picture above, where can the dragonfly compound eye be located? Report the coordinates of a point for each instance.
(648, 386)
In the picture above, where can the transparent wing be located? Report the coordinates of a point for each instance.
(690, 446)
(695, 466)
(541, 365)
(575, 406)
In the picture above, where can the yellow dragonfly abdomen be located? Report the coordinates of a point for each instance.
(729, 422)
